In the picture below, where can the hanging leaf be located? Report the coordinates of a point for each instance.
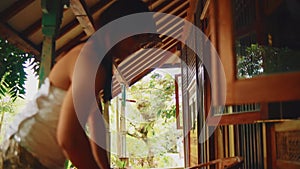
(12, 73)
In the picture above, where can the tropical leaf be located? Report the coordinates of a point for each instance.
(12, 73)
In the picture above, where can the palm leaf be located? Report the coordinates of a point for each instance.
(12, 73)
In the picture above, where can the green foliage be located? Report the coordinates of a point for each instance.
(69, 165)
(167, 113)
(8, 109)
(278, 60)
(120, 164)
(258, 59)
(12, 74)
(252, 62)
(165, 161)
(154, 120)
(156, 98)
(6, 106)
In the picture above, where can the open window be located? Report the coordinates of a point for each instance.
(265, 58)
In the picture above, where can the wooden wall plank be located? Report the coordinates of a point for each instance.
(14, 38)
(14, 9)
(79, 9)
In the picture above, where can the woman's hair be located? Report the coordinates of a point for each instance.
(120, 8)
(116, 10)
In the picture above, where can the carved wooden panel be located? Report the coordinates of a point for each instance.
(287, 136)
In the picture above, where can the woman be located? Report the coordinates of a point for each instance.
(47, 131)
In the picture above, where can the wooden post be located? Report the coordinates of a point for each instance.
(51, 20)
(219, 143)
(118, 127)
(231, 136)
(123, 122)
(47, 58)
(106, 118)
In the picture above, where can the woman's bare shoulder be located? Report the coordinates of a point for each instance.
(73, 53)
(62, 71)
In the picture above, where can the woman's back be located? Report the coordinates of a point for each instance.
(62, 72)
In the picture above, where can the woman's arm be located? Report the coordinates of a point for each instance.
(72, 137)
(97, 124)
(97, 131)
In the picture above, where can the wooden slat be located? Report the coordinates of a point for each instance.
(119, 75)
(172, 12)
(31, 29)
(191, 11)
(79, 9)
(74, 24)
(205, 10)
(168, 6)
(153, 63)
(100, 6)
(68, 28)
(147, 71)
(239, 118)
(159, 5)
(14, 9)
(14, 38)
(60, 52)
(170, 22)
(173, 29)
(131, 70)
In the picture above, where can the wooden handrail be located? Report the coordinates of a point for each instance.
(224, 163)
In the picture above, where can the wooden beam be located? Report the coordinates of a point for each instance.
(190, 17)
(13, 9)
(172, 29)
(61, 51)
(135, 78)
(149, 70)
(132, 65)
(37, 25)
(233, 119)
(14, 38)
(168, 6)
(203, 14)
(178, 6)
(99, 5)
(171, 22)
(72, 25)
(119, 76)
(79, 9)
(68, 28)
(156, 6)
(157, 59)
(31, 29)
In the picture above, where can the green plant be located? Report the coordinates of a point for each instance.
(251, 63)
(6, 106)
(69, 165)
(12, 73)
(257, 59)
(118, 163)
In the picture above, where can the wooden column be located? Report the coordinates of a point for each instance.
(106, 118)
(47, 57)
(51, 20)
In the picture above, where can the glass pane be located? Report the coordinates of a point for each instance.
(267, 38)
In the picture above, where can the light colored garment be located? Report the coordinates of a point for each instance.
(35, 127)
(14, 156)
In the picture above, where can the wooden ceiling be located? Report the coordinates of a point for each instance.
(21, 25)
